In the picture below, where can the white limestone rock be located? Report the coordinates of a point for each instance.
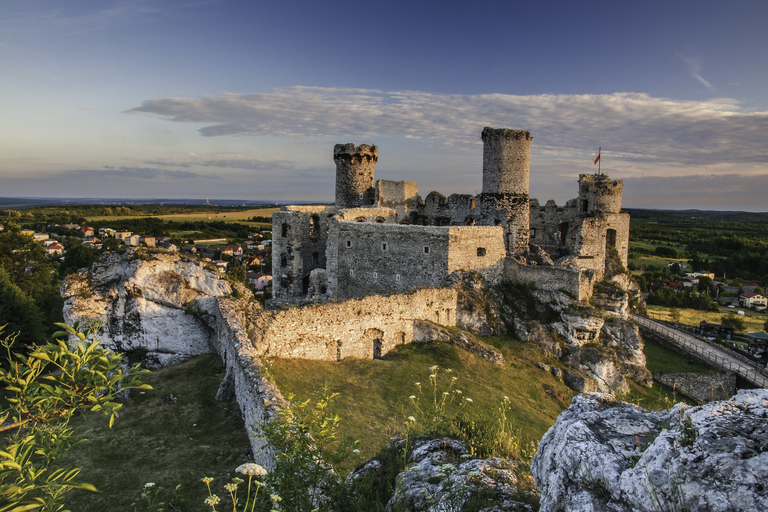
(156, 302)
(443, 477)
(607, 455)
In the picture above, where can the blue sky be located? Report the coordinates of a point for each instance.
(245, 99)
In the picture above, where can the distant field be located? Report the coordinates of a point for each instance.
(753, 320)
(229, 216)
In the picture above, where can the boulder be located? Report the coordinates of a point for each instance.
(607, 455)
(442, 476)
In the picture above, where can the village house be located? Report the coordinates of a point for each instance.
(87, 231)
(132, 240)
(258, 280)
(149, 241)
(55, 249)
(752, 300)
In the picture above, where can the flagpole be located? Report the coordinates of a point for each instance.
(600, 161)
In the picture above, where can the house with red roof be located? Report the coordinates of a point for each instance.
(752, 300)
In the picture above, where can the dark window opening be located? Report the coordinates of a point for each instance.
(533, 232)
(380, 220)
(426, 250)
(383, 246)
(497, 222)
(377, 348)
(360, 219)
(481, 251)
(349, 243)
(305, 285)
(285, 229)
(584, 205)
(315, 258)
(283, 260)
(323, 290)
(610, 238)
(314, 222)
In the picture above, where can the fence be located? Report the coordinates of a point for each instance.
(710, 353)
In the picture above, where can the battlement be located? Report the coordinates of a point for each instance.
(349, 153)
(599, 195)
(505, 133)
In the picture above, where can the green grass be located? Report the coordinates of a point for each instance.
(227, 216)
(753, 320)
(161, 441)
(155, 439)
(660, 360)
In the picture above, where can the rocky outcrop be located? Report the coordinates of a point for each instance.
(442, 476)
(595, 340)
(156, 303)
(607, 455)
(170, 308)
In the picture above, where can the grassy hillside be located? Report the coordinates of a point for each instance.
(173, 435)
(177, 433)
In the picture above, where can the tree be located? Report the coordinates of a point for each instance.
(734, 321)
(19, 313)
(27, 263)
(765, 326)
(705, 283)
(43, 390)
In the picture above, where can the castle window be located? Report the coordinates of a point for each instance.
(480, 252)
(584, 205)
(397, 277)
(285, 229)
(383, 246)
(533, 232)
(375, 275)
(351, 272)
(360, 219)
(349, 243)
(313, 224)
(497, 222)
(323, 290)
(426, 250)
(315, 257)
(380, 220)
(283, 260)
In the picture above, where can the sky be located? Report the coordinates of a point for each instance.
(245, 99)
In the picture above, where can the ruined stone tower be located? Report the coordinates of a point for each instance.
(354, 174)
(598, 195)
(506, 166)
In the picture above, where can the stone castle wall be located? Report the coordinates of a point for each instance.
(571, 281)
(364, 328)
(704, 387)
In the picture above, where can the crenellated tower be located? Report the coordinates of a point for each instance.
(598, 195)
(354, 174)
(506, 166)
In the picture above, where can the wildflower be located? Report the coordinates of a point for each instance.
(454, 378)
(506, 398)
(212, 500)
(275, 498)
(251, 469)
(458, 391)
(206, 480)
(468, 399)
(411, 418)
(433, 376)
(433, 368)
(445, 392)
(356, 451)
(149, 484)
(412, 397)
(418, 383)
(231, 487)
(237, 481)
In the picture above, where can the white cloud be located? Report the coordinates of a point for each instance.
(633, 126)
(694, 68)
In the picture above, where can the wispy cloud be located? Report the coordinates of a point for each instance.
(636, 126)
(231, 162)
(142, 173)
(694, 69)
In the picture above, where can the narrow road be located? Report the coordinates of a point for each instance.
(713, 354)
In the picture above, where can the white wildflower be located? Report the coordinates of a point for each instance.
(251, 469)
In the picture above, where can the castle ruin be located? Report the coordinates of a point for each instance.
(380, 237)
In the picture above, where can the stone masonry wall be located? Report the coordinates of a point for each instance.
(258, 397)
(704, 387)
(551, 278)
(364, 328)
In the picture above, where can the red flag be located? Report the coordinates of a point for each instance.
(597, 158)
